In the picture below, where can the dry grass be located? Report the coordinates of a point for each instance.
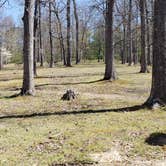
(96, 130)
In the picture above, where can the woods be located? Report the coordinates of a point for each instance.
(110, 74)
(82, 82)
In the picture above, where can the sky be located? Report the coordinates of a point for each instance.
(16, 11)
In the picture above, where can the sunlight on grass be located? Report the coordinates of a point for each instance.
(73, 138)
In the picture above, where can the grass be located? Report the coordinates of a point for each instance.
(61, 136)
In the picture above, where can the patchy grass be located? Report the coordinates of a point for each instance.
(86, 130)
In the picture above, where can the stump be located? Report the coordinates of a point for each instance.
(69, 95)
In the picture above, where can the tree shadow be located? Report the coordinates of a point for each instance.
(118, 110)
(81, 163)
(69, 83)
(49, 77)
(156, 139)
(70, 76)
(11, 96)
(48, 84)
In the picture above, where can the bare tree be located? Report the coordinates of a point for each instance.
(35, 35)
(28, 77)
(60, 33)
(1, 58)
(144, 68)
(130, 51)
(143, 35)
(77, 32)
(50, 35)
(68, 35)
(158, 90)
(40, 37)
(109, 57)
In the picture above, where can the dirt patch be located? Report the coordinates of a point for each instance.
(106, 157)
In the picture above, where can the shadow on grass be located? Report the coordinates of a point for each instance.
(70, 76)
(156, 139)
(10, 97)
(69, 83)
(118, 110)
(48, 84)
(49, 77)
(74, 164)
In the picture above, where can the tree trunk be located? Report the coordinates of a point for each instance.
(149, 61)
(68, 35)
(61, 38)
(130, 60)
(35, 36)
(77, 32)
(135, 48)
(50, 35)
(109, 57)
(28, 77)
(1, 59)
(144, 68)
(40, 38)
(158, 90)
(124, 45)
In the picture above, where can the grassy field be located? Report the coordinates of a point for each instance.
(101, 127)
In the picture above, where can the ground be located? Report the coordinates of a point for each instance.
(104, 125)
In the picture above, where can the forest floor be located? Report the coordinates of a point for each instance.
(102, 126)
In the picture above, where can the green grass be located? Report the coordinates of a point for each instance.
(73, 138)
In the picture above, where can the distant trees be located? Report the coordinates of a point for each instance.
(158, 91)
(28, 76)
(125, 36)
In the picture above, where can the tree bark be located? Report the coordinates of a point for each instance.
(61, 38)
(50, 35)
(68, 35)
(1, 59)
(158, 90)
(77, 32)
(124, 45)
(144, 68)
(149, 59)
(109, 57)
(130, 59)
(35, 36)
(28, 76)
(40, 38)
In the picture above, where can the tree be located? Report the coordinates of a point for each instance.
(28, 76)
(77, 32)
(60, 34)
(158, 90)
(1, 58)
(50, 35)
(144, 68)
(109, 57)
(68, 35)
(2, 3)
(40, 37)
(130, 50)
(35, 35)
